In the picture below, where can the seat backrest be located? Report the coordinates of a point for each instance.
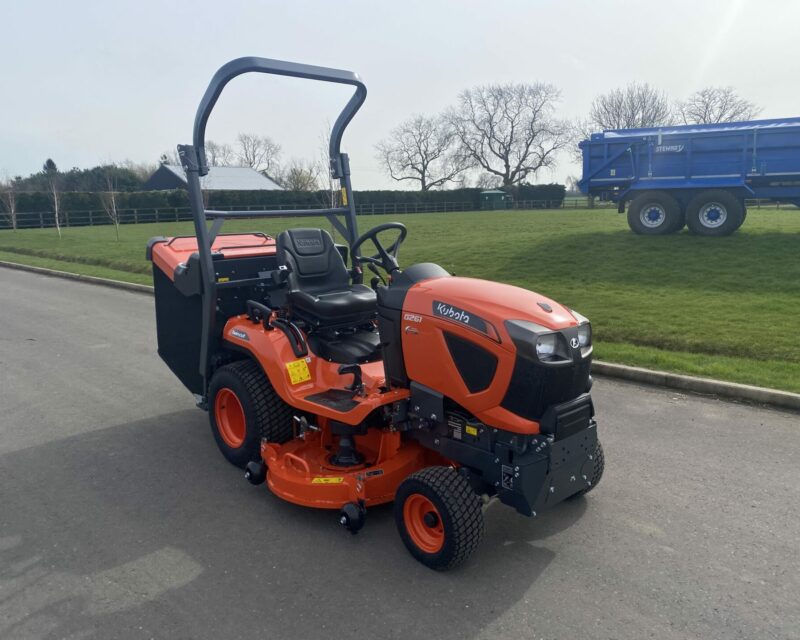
(315, 264)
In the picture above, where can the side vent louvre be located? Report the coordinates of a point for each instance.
(476, 365)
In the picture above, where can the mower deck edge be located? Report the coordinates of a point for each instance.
(664, 379)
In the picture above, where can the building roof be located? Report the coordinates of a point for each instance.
(229, 179)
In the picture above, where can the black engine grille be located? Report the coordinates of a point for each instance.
(534, 386)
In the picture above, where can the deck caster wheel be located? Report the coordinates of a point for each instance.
(352, 517)
(255, 472)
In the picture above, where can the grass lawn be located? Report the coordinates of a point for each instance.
(720, 307)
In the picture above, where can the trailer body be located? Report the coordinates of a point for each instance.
(757, 159)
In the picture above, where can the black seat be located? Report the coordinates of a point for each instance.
(319, 284)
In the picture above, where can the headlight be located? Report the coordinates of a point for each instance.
(585, 334)
(551, 347)
(546, 345)
(536, 342)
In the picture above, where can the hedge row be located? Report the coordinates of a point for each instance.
(75, 201)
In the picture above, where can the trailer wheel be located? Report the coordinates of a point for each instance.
(744, 217)
(439, 517)
(654, 213)
(597, 471)
(243, 409)
(715, 212)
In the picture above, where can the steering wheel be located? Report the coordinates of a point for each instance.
(386, 258)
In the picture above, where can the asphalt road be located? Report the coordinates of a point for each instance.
(119, 518)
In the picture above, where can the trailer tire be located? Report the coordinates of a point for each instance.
(744, 217)
(439, 517)
(715, 212)
(243, 409)
(678, 223)
(654, 213)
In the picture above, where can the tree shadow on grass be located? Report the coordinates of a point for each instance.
(744, 262)
(144, 528)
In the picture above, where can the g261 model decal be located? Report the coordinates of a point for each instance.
(444, 310)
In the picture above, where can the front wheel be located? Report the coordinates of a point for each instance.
(654, 213)
(439, 517)
(715, 212)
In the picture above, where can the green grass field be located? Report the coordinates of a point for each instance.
(720, 307)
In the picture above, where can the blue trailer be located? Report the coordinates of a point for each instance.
(693, 175)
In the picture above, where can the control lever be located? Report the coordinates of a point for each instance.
(358, 386)
(258, 312)
(302, 426)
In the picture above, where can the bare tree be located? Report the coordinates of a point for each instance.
(109, 198)
(51, 173)
(8, 195)
(329, 184)
(299, 176)
(716, 104)
(170, 157)
(257, 152)
(142, 170)
(422, 149)
(632, 107)
(571, 184)
(488, 181)
(509, 130)
(219, 154)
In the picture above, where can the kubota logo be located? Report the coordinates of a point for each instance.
(448, 311)
(574, 343)
(308, 242)
(459, 315)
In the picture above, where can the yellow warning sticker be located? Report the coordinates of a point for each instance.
(344, 197)
(298, 371)
(223, 279)
(328, 480)
(473, 431)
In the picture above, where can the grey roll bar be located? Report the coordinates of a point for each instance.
(237, 67)
(193, 159)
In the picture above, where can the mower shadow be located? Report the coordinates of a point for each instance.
(145, 526)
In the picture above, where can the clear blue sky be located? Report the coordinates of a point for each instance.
(85, 82)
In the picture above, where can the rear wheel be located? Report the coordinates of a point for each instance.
(439, 517)
(654, 213)
(744, 216)
(243, 409)
(714, 213)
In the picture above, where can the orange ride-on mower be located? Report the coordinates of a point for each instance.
(433, 391)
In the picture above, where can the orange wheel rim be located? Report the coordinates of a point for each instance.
(230, 419)
(423, 523)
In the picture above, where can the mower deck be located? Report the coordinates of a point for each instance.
(301, 471)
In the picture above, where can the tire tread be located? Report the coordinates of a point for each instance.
(463, 506)
(273, 414)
